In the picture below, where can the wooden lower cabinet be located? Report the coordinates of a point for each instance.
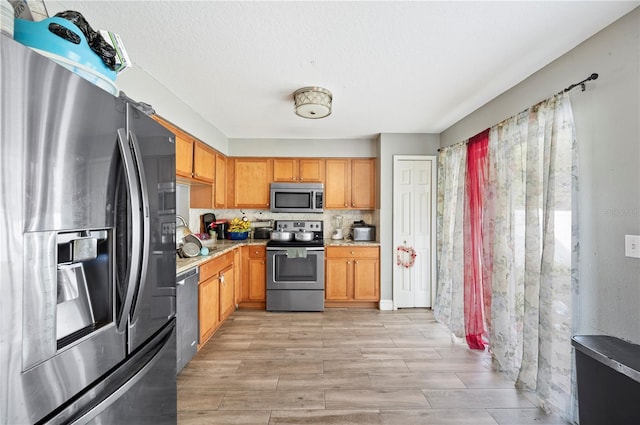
(254, 273)
(208, 296)
(237, 270)
(227, 287)
(216, 291)
(352, 276)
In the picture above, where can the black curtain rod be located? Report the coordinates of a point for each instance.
(593, 76)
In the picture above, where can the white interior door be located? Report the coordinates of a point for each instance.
(413, 228)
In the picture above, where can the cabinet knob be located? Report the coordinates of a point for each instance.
(353, 253)
(348, 262)
(346, 205)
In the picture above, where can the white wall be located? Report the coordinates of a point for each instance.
(390, 144)
(140, 86)
(607, 117)
(303, 147)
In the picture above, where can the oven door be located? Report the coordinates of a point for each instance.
(295, 268)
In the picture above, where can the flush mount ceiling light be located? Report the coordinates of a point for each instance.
(312, 102)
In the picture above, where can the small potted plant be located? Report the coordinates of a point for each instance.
(239, 228)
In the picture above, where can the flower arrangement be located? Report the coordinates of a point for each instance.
(239, 225)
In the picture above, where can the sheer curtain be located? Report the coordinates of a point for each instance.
(528, 216)
(525, 247)
(449, 304)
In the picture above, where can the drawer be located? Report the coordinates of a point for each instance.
(213, 267)
(352, 252)
(207, 270)
(257, 251)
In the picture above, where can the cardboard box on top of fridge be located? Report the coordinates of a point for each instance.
(32, 10)
(122, 58)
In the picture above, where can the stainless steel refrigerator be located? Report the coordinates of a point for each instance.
(87, 262)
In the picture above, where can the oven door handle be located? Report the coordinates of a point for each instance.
(308, 248)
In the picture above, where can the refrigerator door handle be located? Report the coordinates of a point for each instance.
(146, 220)
(133, 270)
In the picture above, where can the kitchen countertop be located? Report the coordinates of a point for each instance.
(349, 242)
(223, 246)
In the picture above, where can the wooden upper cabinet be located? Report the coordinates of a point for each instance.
(220, 181)
(285, 170)
(184, 148)
(194, 159)
(363, 182)
(203, 162)
(251, 180)
(311, 170)
(350, 183)
(298, 170)
(337, 184)
(184, 155)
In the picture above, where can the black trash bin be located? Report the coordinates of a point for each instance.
(608, 374)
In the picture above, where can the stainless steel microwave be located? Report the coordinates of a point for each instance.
(297, 197)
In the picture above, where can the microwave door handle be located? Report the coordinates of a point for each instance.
(146, 225)
(136, 241)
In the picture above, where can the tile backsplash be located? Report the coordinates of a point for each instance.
(348, 217)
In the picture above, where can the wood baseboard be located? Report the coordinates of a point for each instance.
(350, 304)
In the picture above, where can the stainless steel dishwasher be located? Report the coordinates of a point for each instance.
(186, 316)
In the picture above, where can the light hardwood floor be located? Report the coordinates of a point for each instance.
(345, 366)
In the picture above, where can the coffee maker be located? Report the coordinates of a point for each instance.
(207, 222)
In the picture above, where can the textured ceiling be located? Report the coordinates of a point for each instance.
(393, 67)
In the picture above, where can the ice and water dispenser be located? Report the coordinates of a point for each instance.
(83, 290)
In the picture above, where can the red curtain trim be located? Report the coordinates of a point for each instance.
(476, 182)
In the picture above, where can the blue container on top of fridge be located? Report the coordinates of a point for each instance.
(78, 58)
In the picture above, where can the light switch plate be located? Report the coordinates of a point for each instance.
(632, 246)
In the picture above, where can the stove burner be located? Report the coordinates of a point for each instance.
(315, 226)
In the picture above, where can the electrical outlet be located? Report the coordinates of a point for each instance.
(632, 246)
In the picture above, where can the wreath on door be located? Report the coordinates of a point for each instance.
(405, 256)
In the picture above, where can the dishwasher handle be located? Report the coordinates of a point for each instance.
(182, 278)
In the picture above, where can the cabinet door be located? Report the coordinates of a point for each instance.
(285, 170)
(366, 280)
(251, 182)
(311, 170)
(237, 270)
(207, 307)
(184, 154)
(363, 183)
(203, 163)
(227, 286)
(221, 181)
(257, 279)
(338, 279)
(337, 187)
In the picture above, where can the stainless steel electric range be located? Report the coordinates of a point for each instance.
(295, 269)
